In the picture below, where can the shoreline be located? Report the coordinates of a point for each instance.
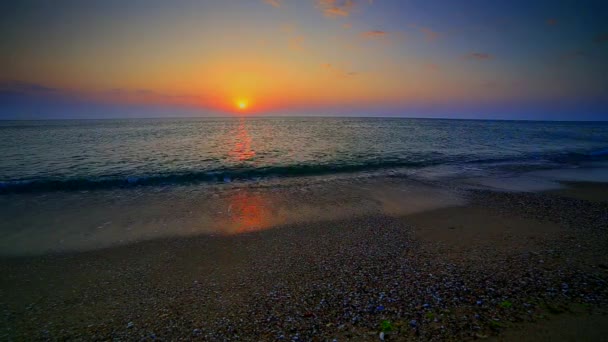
(494, 266)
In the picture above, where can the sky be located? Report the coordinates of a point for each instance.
(538, 60)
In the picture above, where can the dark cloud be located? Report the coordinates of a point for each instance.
(572, 55)
(26, 87)
(601, 38)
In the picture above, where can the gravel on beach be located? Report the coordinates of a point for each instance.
(361, 279)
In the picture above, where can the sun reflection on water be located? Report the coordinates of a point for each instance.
(249, 212)
(242, 150)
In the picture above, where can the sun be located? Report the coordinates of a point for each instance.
(242, 104)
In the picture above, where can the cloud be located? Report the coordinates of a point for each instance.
(374, 34)
(338, 8)
(295, 43)
(429, 34)
(347, 26)
(480, 56)
(136, 95)
(274, 3)
(572, 55)
(601, 38)
(26, 87)
(338, 71)
(18, 91)
(551, 21)
(295, 40)
(31, 92)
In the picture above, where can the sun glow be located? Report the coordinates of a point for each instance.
(242, 104)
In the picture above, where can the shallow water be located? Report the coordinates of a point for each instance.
(80, 221)
(540, 180)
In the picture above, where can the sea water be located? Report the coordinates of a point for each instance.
(69, 186)
(100, 154)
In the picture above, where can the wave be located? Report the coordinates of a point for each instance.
(522, 163)
(224, 176)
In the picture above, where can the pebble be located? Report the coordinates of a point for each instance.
(297, 285)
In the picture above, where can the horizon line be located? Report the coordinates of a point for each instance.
(296, 116)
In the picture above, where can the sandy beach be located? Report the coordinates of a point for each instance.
(501, 265)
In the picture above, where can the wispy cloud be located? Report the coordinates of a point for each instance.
(274, 3)
(480, 56)
(296, 43)
(336, 8)
(295, 39)
(429, 34)
(338, 71)
(601, 38)
(374, 34)
(339, 8)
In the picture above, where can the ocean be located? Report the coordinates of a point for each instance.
(41, 156)
(70, 186)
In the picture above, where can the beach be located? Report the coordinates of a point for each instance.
(482, 264)
(319, 170)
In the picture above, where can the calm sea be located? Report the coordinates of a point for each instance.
(99, 154)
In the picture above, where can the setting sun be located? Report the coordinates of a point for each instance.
(242, 104)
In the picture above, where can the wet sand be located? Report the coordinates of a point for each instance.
(590, 191)
(499, 265)
(81, 221)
